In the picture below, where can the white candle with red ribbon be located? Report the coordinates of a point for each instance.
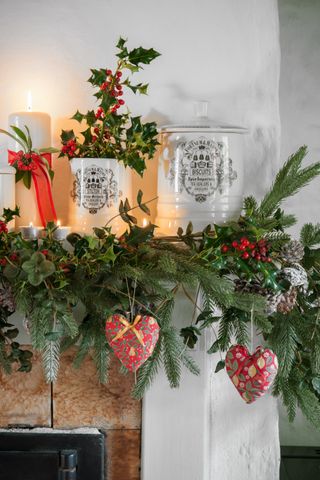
(39, 125)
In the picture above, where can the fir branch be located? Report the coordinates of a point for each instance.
(172, 351)
(289, 180)
(51, 359)
(310, 234)
(101, 357)
(148, 371)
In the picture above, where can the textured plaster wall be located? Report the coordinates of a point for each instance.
(224, 51)
(300, 124)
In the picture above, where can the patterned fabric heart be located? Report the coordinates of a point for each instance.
(252, 375)
(132, 343)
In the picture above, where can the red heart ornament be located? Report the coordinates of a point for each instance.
(132, 343)
(252, 375)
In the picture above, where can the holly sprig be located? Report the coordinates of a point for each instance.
(110, 133)
(27, 159)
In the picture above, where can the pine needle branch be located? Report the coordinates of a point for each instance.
(289, 180)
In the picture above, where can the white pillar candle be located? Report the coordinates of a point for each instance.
(39, 125)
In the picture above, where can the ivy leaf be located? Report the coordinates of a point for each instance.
(220, 366)
(190, 335)
(316, 384)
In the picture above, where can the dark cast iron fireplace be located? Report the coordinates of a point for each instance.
(28, 455)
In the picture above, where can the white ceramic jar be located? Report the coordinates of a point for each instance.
(99, 184)
(200, 174)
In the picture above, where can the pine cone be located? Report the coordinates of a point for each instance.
(6, 297)
(292, 252)
(287, 301)
(296, 275)
(243, 286)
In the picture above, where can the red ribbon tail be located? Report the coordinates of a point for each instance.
(42, 185)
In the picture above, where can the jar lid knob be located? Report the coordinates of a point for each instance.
(201, 109)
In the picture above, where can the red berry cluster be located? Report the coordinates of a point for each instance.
(14, 257)
(3, 227)
(25, 161)
(247, 249)
(69, 148)
(114, 88)
(3, 262)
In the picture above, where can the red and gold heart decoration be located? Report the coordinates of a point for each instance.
(252, 375)
(132, 343)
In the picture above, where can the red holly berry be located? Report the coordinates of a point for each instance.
(119, 87)
(94, 138)
(234, 244)
(119, 74)
(258, 257)
(242, 247)
(117, 106)
(3, 227)
(103, 86)
(244, 241)
(252, 246)
(269, 260)
(263, 251)
(245, 256)
(99, 112)
(224, 248)
(114, 110)
(109, 72)
(13, 257)
(45, 252)
(262, 243)
(3, 262)
(121, 102)
(120, 93)
(96, 130)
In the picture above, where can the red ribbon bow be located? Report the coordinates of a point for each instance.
(42, 185)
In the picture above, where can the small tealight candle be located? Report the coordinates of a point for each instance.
(61, 233)
(30, 232)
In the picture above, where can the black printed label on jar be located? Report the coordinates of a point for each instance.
(94, 188)
(205, 168)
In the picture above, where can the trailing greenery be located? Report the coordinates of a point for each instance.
(232, 275)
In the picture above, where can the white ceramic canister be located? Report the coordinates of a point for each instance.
(99, 184)
(200, 174)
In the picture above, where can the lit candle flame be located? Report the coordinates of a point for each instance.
(29, 101)
(58, 223)
(30, 224)
(145, 222)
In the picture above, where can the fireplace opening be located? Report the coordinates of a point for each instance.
(45, 454)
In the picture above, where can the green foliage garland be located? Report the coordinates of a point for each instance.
(248, 269)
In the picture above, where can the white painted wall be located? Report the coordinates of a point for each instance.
(300, 124)
(224, 51)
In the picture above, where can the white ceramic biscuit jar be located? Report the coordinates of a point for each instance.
(200, 175)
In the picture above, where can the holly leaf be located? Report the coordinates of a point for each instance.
(121, 43)
(78, 116)
(140, 234)
(142, 55)
(67, 135)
